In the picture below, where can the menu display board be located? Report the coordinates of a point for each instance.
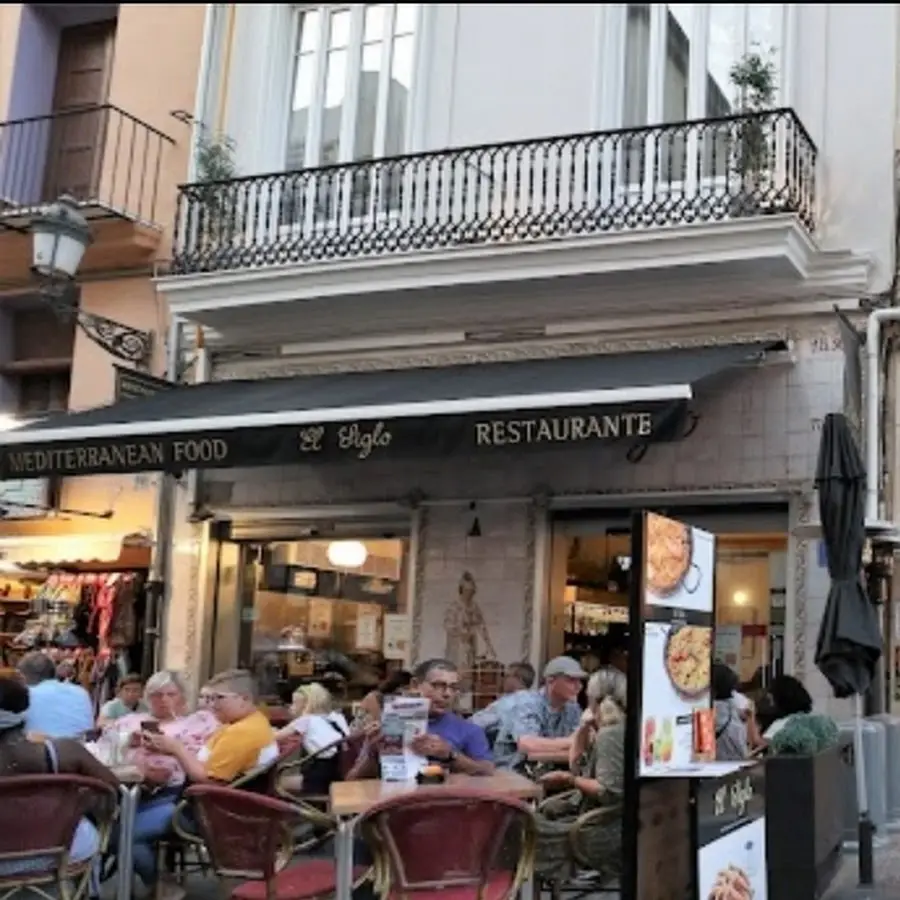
(731, 835)
(676, 595)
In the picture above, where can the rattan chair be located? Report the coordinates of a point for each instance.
(39, 815)
(411, 837)
(250, 839)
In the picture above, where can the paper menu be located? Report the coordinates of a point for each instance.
(402, 720)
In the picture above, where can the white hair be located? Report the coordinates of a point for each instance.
(607, 689)
(163, 679)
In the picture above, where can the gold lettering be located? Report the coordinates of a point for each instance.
(559, 429)
(364, 441)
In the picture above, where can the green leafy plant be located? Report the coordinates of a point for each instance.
(804, 735)
(754, 79)
(213, 190)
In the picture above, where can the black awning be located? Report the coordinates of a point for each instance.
(398, 413)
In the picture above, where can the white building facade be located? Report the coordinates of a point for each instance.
(570, 197)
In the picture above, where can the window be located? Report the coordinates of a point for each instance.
(351, 102)
(676, 67)
(43, 392)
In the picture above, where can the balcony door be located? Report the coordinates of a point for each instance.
(676, 68)
(351, 103)
(78, 124)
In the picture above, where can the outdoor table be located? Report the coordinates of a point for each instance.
(130, 780)
(350, 799)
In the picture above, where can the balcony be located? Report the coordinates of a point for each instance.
(710, 170)
(668, 209)
(104, 157)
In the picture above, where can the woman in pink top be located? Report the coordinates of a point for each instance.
(165, 696)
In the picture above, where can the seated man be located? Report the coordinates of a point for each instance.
(245, 741)
(451, 740)
(519, 678)
(542, 721)
(56, 709)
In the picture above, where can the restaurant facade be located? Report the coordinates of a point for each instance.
(483, 513)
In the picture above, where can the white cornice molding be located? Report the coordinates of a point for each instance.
(770, 237)
(620, 336)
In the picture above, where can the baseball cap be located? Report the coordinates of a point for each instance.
(564, 666)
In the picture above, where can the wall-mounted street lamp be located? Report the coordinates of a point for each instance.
(60, 235)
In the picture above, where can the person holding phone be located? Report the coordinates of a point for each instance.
(166, 698)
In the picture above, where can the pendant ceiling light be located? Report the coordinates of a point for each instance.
(347, 554)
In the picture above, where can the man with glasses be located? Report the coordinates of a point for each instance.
(451, 740)
(245, 741)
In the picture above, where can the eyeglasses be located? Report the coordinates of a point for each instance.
(445, 687)
(218, 698)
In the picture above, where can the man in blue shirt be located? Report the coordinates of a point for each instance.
(55, 709)
(453, 741)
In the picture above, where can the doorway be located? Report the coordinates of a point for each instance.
(78, 124)
(590, 578)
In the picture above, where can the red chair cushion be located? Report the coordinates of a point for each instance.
(497, 886)
(309, 878)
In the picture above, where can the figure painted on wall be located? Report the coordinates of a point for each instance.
(466, 628)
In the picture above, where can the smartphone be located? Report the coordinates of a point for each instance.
(150, 727)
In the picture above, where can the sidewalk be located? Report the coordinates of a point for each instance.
(887, 875)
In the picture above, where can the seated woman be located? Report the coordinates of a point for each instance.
(785, 697)
(369, 711)
(20, 756)
(731, 728)
(320, 728)
(165, 696)
(595, 780)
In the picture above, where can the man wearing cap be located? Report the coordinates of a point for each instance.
(541, 721)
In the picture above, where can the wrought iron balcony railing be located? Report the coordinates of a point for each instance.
(707, 170)
(104, 157)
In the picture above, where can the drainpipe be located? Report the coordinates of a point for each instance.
(154, 615)
(874, 520)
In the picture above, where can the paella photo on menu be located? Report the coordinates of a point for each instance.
(676, 682)
(679, 563)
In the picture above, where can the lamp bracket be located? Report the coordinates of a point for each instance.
(119, 340)
(122, 341)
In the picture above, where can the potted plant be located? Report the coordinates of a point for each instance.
(218, 215)
(753, 78)
(804, 797)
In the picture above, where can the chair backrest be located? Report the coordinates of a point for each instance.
(39, 815)
(246, 834)
(415, 840)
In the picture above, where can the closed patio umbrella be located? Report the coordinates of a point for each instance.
(849, 643)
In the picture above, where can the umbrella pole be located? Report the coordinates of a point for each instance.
(865, 828)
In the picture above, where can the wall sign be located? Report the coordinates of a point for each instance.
(351, 441)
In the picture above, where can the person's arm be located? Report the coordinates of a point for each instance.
(475, 757)
(526, 729)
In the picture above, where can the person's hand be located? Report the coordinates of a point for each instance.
(432, 746)
(156, 775)
(161, 743)
(557, 780)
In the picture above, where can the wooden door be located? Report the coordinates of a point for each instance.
(79, 124)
